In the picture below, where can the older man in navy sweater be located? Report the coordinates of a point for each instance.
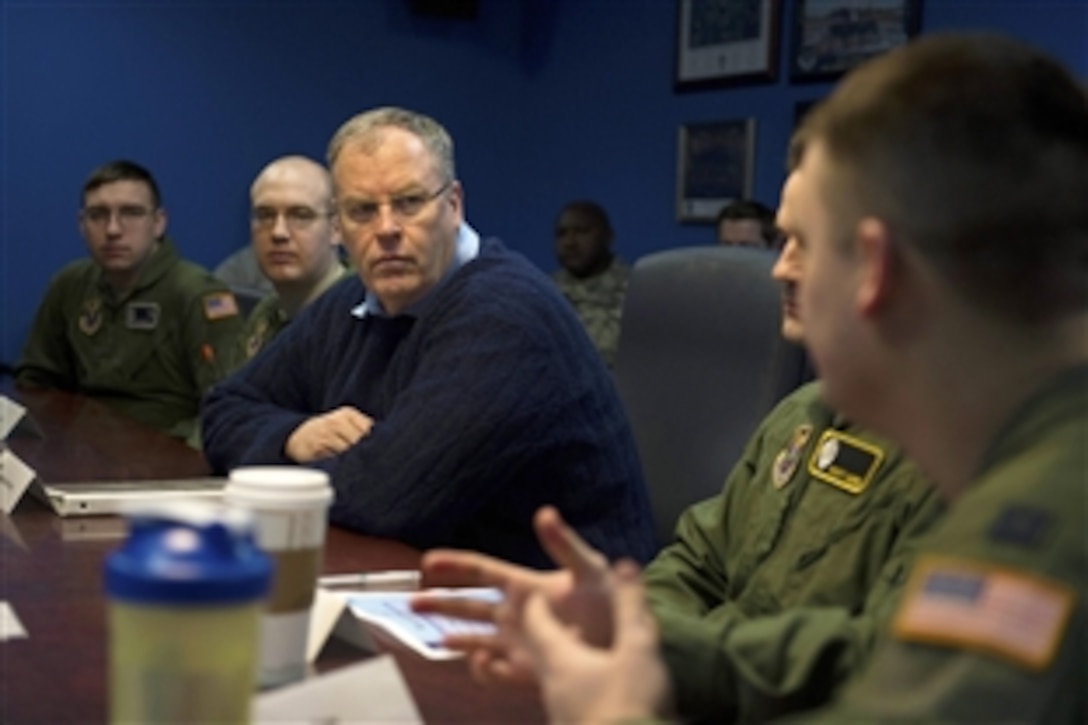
(448, 389)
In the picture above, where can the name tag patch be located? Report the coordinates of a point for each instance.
(1003, 612)
(142, 315)
(844, 461)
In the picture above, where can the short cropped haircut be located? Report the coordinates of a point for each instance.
(973, 149)
(593, 210)
(751, 209)
(121, 170)
(298, 162)
(364, 128)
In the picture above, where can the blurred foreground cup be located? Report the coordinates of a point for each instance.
(185, 594)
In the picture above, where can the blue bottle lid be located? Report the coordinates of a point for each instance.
(188, 554)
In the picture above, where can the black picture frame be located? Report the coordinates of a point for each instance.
(726, 42)
(715, 162)
(832, 36)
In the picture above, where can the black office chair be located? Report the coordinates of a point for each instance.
(701, 361)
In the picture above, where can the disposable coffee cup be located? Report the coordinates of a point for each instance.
(289, 505)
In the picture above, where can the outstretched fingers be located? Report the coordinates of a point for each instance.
(453, 567)
(566, 548)
(635, 627)
(458, 607)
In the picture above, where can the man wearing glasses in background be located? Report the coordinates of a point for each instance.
(449, 389)
(296, 241)
(135, 326)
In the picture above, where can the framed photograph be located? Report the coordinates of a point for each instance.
(832, 36)
(714, 167)
(726, 42)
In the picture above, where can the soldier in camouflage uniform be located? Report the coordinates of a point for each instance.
(135, 326)
(590, 275)
(296, 243)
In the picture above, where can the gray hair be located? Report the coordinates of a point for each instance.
(363, 129)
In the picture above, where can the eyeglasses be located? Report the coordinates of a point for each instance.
(297, 217)
(403, 207)
(126, 214)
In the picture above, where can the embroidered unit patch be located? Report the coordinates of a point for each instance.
(785, 463)
(90, 319)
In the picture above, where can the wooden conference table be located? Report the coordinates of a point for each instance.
(51, 574)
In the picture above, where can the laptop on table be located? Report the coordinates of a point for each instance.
(96, 498)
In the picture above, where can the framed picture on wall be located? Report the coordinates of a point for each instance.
(714, 167)
(832, 36)
(725, 42)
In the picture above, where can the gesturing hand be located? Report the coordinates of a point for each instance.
(587, 684)
(577, 593)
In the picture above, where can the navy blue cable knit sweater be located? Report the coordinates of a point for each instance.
(489, 401)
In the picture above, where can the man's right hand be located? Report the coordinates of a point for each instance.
(578, 593)
(327, 435)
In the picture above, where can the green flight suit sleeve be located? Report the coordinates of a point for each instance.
(47, 359)
(689, 576)
(213, 327)
(917, 683)
(724, 663)
(960, 676)
(211, 330)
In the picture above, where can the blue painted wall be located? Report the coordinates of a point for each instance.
(548, 100)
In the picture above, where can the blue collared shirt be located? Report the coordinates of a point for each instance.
(466, 248)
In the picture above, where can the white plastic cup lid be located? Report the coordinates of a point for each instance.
(284, 485)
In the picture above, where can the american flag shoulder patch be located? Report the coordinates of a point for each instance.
(218, 305)
(1004, 612)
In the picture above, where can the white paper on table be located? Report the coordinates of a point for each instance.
(424, 633)
(330, 616)
(10, 415)
(15, 419)
(10, 626)
(15, 476)
(372, 692)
